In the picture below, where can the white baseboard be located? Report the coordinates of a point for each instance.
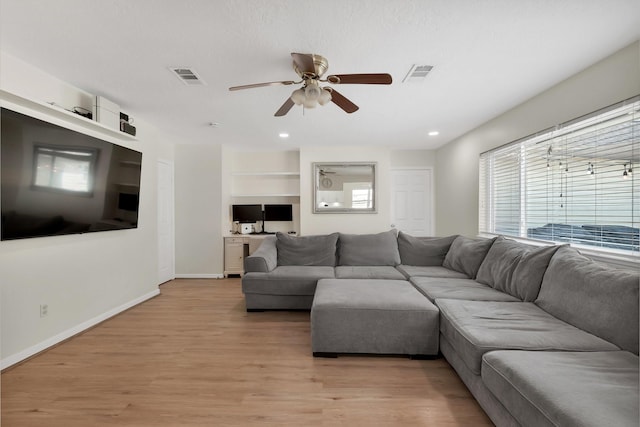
(24, 354)
(200, 276)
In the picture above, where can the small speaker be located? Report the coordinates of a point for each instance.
(127, 128)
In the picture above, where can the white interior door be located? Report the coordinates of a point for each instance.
(412, 201)
(166, 249)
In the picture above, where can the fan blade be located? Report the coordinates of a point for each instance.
(304, 62)
(285, 108)
(342, 102)
(282, 83)
(366, 79)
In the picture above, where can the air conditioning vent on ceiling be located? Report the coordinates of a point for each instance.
(187, 76)
(417, 73)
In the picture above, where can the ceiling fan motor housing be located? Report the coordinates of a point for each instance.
(320, 65)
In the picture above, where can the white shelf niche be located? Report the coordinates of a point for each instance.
(266, 174)
(8, 99)
(265, 184)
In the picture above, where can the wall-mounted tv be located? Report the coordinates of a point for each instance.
(278, 213)
(55, 181)
(246, 213)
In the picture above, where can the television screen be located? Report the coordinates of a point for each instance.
(55, 181)
(128, 202)
(247, 213)
(278, 213)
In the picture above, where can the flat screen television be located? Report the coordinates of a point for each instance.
(278, 213)
(128, 202)
(56, 181)
(246, 213)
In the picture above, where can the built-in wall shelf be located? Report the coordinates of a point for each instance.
(131, 164)
(264, 177)
(285, 183)
(265, 173)
(268, 195)
(62, 114)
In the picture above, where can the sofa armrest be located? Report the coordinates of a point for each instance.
(264, 259)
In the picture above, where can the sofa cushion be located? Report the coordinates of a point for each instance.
(286, 280)
(430, 271)
(466, 255)
(368, 272)
(467, 289)
(423, 251)
(515, 268)
(307, 250)
(476, 327)
(565, 388)
(592, 297)
(369, 249)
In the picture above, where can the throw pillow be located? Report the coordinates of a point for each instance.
(466, 255)
(306, 250)
(369, 249)
(423, 251)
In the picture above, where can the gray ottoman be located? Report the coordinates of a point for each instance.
(372, 316)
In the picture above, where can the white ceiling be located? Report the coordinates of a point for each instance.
(488, 56)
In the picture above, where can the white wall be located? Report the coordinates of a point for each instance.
(404, 159)
(198, 199)
(292, 161)
(611, 80)
(83, 278)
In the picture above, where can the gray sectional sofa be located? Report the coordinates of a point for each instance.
(540, 335)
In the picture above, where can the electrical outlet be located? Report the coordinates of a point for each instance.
(44, 310)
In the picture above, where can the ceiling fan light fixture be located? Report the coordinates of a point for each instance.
(312, 91)
(325, 97)
(298, 96)
(310, 103)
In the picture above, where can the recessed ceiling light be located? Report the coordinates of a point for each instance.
(283, 135)
(434, 133)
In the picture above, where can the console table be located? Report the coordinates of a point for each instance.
(236, 247)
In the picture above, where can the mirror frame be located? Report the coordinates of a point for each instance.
(316, 187)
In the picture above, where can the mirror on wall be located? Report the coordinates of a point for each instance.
(344, 187)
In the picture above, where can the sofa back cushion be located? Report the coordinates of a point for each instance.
(423, 251)
(598, 299)
(466, 254)
(515, 268)
(369, 249)
(307, 250)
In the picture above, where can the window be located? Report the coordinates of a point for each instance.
(361, 196)
(573, 183)
(64, 169)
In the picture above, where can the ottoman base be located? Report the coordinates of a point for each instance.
(371, 316)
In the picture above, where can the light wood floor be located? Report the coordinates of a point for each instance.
(193, 357)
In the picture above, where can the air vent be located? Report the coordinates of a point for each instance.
(417, 73)
(187, 76)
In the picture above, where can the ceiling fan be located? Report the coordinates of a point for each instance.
(310, 67)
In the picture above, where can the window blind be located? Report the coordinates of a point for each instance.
(572, 183)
